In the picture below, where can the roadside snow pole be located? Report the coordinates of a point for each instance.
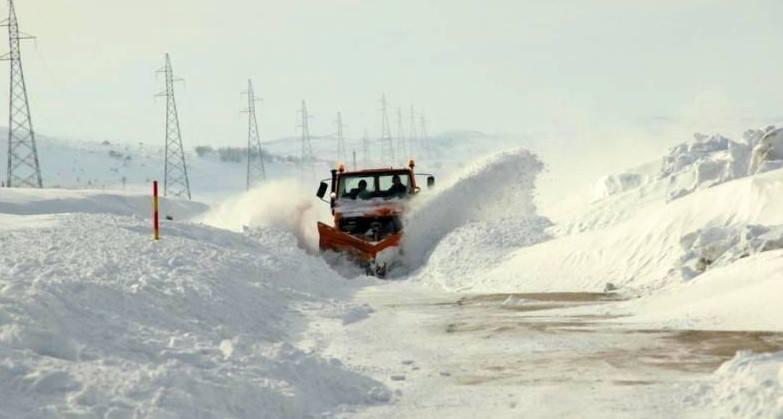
(155, 211)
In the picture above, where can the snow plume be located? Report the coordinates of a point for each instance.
(493, 195)
(279, 204)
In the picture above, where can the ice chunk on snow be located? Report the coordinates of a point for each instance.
(768, 149)
(708, 161)
(613, 184)
(720, 246)
(769, 165)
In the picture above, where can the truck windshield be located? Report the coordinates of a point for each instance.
(362, 187)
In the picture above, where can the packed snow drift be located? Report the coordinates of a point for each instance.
(58, 201)
(99, 320)
(748, 386)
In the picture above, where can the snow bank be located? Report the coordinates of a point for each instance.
(55, 201)
(470, 250)
(474, 219)
(767, 150)
(98, 320)
(720, 246)
(279, 204)
(10, 222)
(643, 250)
(743, 295)
(706, 161)
(748, 386)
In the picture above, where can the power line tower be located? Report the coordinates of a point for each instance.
(175, 170)
(425, 141)
(387, 144)
(256, 172)
(306, 169)
(341, 156)
(413, 140)
(402, 148)
(366, 150)
(23, 167)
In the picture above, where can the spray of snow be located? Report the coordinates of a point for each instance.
(489, 202)
(281, 204)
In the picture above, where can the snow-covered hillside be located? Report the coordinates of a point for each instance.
(109, 166)
(120, 166)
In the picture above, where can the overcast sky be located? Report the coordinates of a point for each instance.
(497, 65)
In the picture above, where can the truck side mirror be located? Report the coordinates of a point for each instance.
(322, 190)
(430, 181)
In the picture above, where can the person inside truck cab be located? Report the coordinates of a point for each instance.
(397, 189)
(360, 191)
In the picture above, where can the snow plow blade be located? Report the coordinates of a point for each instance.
(333, 239)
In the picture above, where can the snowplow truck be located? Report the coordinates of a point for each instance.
(367, 206)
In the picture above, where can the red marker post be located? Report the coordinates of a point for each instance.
(155, 211)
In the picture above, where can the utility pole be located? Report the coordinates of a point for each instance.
(341, 156)
(256, 173)
(23, 167)
(175, 170)
(413, 140)
(354, 160)
(402, 149)
(306, 169)
(387, 144)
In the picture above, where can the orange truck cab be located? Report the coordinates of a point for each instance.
(367, 206)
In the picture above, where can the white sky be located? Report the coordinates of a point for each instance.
(496, 66)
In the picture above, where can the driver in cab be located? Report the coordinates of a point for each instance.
(397, 189)
(360, 191)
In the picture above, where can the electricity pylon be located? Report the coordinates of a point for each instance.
(175, 170)
(256, 172)
(387, 144)
(23, 167)
(402, 148)
(306, 168)
(365, 150)
(341, 156)
(413, 140)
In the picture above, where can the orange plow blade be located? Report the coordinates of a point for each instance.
(333, 239)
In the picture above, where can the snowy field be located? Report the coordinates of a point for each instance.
(658, 297)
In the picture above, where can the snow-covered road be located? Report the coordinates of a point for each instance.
(525, 355)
